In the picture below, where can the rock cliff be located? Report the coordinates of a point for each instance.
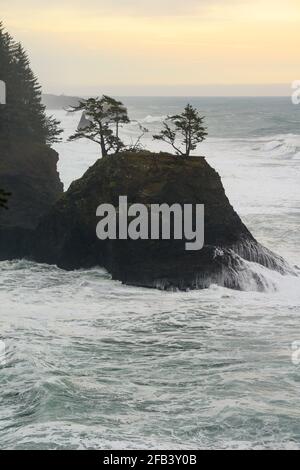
(29, 172)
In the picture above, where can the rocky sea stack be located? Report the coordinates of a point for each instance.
(66, 236)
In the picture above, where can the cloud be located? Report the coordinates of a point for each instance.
(89, 43)
(119, 7)
(146, 7)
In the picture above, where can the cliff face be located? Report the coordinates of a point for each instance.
(67, 235)
(29, 173)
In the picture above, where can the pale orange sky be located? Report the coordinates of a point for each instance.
(80, 47)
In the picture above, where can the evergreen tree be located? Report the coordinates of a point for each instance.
(103, 115)
(118, 112)
(5, 76)
(187, 128)
(23, 117)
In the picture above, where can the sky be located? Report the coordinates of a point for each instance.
(159, 47)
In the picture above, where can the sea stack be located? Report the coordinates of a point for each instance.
(66, 236)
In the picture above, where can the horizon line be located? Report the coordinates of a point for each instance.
(166, 96)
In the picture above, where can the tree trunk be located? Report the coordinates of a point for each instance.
(102, 144)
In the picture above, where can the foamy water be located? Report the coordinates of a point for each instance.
(90, 363)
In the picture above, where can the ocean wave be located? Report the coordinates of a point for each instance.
(105, 366)
(281, 148)
(153, 119)
(280, 145)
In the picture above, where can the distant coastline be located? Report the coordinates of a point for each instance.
(53, 101)
(59, 101)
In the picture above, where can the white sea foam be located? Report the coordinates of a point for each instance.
(153, 119)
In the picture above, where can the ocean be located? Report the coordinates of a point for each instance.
(92, 364)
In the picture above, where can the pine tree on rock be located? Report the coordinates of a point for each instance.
(183, 131)
(104, 116)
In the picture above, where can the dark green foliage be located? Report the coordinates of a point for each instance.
(23, 117)
(117, 111)
(104, 117)
(3, 199)
(187, 128)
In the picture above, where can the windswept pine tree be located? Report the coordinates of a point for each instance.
(23, 117)
(183, 131)
(103, 115)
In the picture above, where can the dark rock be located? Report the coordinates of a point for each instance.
(67, 235)
(29, 173)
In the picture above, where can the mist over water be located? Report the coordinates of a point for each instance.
(91, 363)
